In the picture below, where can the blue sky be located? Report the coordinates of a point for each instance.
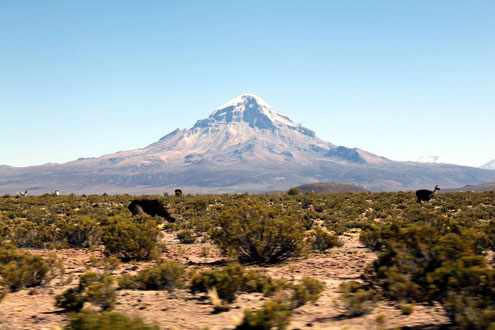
(401, 79)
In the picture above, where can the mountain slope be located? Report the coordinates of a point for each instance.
(490, 165)
(489, 186)
(244, 145)
(330, 188)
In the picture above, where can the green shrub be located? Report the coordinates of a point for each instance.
(272, 315)
(186, 236)
(19, 269)
(132, 239)
(291, 293)
(228, 281)
(470, 301)
(82, 232)
(307, 291)
(322, 240)
(258, 233)
(165, 276)
(95, 288)
(86, 320)
(356, 299)
(438, 262)
(70, 300)
(307, 222)
(293, 192)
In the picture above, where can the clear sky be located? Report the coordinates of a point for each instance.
(401, 79)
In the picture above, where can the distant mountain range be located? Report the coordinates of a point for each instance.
(244, 145)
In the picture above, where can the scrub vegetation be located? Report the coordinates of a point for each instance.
(435, 253)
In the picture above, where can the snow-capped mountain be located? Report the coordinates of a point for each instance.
(244, 145)
(246, 129)
(490, 165)
(433, 159)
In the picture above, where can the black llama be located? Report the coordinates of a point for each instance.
(426, 195)
(150, 206)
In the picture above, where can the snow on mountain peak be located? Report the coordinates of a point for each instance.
(432, 159)
(242, 99)
(252, 110)
(489, 166)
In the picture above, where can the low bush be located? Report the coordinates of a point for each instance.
(108, 320)
(20, 269)
(322, 240)
(164, 276)
(132, 239)
(97, 289)
(257, 233)
(186, 236)
(356, 299)
(81, 232)
(273, 315)
(437, 262)
(228, 281)
(308, 290)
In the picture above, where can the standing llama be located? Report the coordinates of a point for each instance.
(426, 195)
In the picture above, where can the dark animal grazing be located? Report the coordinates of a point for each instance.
(150, 206)
(178, 192)
(426, 195)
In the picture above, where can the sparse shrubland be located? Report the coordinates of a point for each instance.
(438, 252)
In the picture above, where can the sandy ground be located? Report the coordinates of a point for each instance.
(34, 308)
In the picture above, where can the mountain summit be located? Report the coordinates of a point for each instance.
(244, 145)
(244, 128)
(248, 129)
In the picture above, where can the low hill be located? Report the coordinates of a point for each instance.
(330, 188)
(489, 186)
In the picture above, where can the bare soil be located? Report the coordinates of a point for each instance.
(34, 308)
